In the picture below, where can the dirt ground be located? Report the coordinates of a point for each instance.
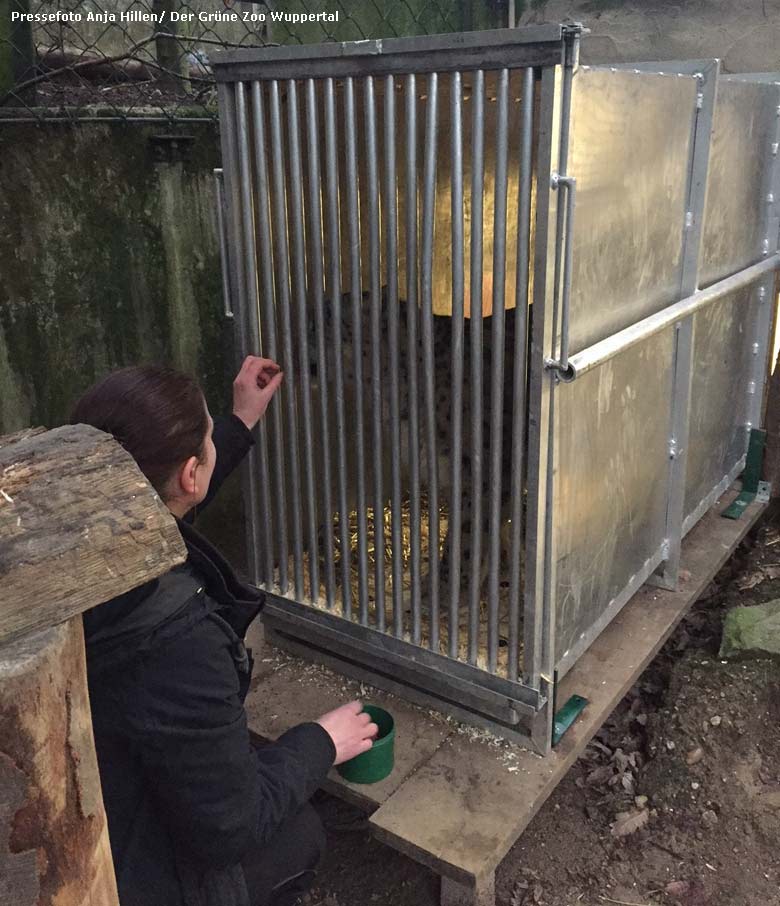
(676, 801)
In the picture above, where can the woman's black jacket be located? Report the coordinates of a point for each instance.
(187, 796)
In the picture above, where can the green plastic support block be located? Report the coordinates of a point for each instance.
(566, 716)
(750, 477)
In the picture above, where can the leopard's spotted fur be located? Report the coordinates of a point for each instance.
(443, 412)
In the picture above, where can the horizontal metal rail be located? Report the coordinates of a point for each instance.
(499, 48)
(607, 349)
(309, 623)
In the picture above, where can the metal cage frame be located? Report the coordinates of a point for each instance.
(282, 252)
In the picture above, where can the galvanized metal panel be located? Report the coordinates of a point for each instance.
(609, 485)
(722, 371)
(739, 178)
(629, 153)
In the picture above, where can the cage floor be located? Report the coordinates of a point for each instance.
(308, 595)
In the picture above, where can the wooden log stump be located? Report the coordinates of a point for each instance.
(54, 845)
(79, 524)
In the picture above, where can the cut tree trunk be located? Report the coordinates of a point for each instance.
(54, 845)
(79, 524)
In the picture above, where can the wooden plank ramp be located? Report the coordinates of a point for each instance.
(458, 800)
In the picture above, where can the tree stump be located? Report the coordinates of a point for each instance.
(53, 834)
(79, 524)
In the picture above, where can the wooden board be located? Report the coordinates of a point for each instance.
(287, 691)
(79, 524)
(462, 810)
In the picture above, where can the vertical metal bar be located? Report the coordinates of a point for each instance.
(374, 275)
(334, 270)
(682, 361)
(353, 218)
(550, 588)
(256, 494)
(316, 290)
(289, 457)
(475, 344)
(570, 184)
(539, 606)
(497, 361)
(519, 394)
(413, 354)
(570, 52)
(304, 391)
(454, 528)
(426, 294)
(251, 313)
(391, 227)
(269, 315)
(224, 261)
(762, 341)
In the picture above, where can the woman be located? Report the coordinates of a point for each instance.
(197, 816)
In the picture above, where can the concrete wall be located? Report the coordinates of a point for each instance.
(108, 257)
(744, 34)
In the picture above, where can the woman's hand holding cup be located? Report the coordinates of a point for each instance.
(351, 730)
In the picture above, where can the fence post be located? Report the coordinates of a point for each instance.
(771, 467)
(17, 51)
(168, 49)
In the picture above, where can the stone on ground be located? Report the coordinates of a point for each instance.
(752, 631)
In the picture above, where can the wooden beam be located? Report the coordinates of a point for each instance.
(461, 812)
(79, 524)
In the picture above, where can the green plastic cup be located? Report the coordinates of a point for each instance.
(377, 763)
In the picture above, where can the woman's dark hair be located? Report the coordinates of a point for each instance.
(156, 413)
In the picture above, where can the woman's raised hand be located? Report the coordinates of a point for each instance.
(351, 730)
(254, 387)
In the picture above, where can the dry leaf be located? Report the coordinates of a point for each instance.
(519, 894)
(629, 822)
(621, 760)
(750, 580)
(601, 775)
(772, 537)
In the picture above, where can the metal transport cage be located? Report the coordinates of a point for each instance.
(523, 308)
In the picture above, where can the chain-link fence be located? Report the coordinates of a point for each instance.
(149, 59)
